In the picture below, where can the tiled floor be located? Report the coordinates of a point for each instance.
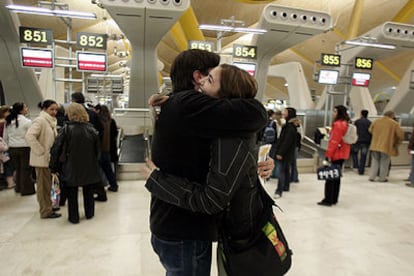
(369, 232)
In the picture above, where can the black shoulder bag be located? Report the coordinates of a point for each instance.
(265, 253)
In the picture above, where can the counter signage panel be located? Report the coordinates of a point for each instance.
(201, 45)
(91, 40)
(328, 76)
(35, 35)
(89, 61)
(364, 63)
(244, 51)
(331, 60)
(248, 67)
(360, 79)
(36, 57)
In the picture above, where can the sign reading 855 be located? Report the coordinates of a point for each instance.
(90, 40)
(331, 60)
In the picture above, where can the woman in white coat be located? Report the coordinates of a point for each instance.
(40, 138)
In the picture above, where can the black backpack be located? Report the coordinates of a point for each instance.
(269, 135)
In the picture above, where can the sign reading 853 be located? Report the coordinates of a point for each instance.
(201, 45)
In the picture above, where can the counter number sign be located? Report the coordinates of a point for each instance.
(331, 60)
(201, 45)
(35, 35)
(244, 51)
(364, 63)
(91, 40)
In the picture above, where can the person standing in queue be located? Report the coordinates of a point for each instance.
(361, 147)
(285, 150)
(16, 127)
(40, 138)
(183, 239)
(336, 153)
(77, 148)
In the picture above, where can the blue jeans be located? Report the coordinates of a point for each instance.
(360, 162)
(107, 169)
(183, 258)
(294, 175)
(284, 178)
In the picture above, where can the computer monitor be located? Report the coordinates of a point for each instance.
(36, 57)
(91, 62)
(360, 79)
(328, 76)
(249, 67)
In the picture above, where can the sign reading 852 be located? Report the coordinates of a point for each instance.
(244, 51)
(90, 40)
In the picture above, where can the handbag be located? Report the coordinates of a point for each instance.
(329, 172)
(265, 253)
(55, 191)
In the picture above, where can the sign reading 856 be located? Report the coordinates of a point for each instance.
(90, 40)
(244, 51)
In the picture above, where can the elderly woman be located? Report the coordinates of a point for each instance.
(77, 148)
(40, 138)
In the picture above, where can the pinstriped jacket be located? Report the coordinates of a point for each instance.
(231, 186)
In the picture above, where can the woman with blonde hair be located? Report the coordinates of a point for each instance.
(77, 148)
(40, 138)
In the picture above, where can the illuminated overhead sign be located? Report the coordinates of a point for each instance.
(91, 40)
(330, 60)
(90, 61)
(35, 35)
(249, 67)
(360, 79)
(328, 76)
(364, 63)
(36, 57)
(202, 45)
(244, 51)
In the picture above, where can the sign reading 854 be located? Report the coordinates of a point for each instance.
(244, 51)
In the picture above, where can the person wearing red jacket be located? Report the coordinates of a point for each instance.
(337, 152)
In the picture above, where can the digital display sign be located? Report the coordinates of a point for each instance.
(249, 67)
(91, 40)
(330, 60)
(35, 35)
(201, 45)
(36, 57)
(244, 51)
(328, 76)
(89, 61)
(363, 63)
(360, 79)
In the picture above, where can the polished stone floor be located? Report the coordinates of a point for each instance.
(369, 232)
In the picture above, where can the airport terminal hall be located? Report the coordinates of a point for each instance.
(207, 138)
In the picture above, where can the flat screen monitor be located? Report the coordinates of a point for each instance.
(360, 79)
(328, 76)
(249, 67)
(36, 57)
(91, 62)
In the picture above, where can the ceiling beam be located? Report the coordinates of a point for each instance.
(353, 28)
(405, 14)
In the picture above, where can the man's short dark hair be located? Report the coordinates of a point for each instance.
(78, 97)
(364, 113)
(186, 63)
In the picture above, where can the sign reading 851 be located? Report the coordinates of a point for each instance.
(91, 40)
(35, 35)
(244, 51)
